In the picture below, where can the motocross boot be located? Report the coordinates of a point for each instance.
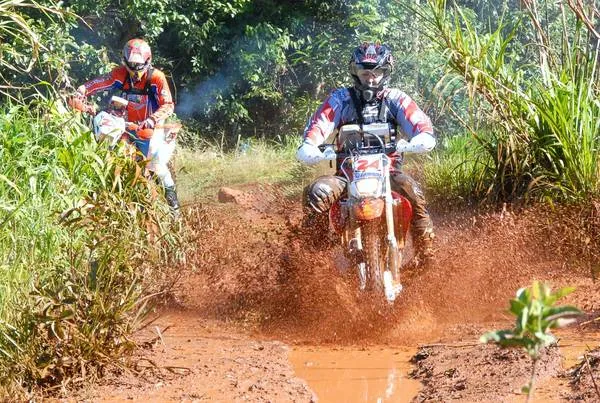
(172, 200)
(421, 225)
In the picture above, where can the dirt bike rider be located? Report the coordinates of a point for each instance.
(150, 103)
(371, 101)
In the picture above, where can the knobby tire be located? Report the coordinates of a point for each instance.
(374, 250)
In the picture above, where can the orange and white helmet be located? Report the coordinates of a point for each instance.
(136, 58)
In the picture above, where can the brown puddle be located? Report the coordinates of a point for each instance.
(380, 374)
(574, 345)
(357, 375)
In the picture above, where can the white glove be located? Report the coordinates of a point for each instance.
(149, 123)
(421, 143)
(309, 154)
(402, 146)
(329, 154)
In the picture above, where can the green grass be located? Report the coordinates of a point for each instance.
(200, 174)
(456, 170)
(540, 118)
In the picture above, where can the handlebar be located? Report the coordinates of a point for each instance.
(355, 151)
(81, 105)
(147, 133)
(362, 144)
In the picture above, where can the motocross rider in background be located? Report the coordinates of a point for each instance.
(370, 100)
(150, 103)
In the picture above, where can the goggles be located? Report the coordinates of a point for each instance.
(368, 73)
(136, 70)
(136, 66)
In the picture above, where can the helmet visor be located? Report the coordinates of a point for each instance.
(136, 70)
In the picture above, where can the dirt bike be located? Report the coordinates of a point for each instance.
(154, 146)
(110, 125)
(371, 219)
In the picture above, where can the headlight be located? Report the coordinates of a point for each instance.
(367, 209)
(367, 186)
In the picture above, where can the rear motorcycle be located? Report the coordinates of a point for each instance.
(111, 126)
(371, 219)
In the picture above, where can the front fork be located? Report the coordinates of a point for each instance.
(352, 240)
(393, 258)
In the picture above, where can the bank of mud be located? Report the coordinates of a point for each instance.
(188, 359)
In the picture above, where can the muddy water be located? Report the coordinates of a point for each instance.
(574, 345)
(378, 374)
(356, 375)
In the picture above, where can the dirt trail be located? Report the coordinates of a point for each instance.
(258, 287)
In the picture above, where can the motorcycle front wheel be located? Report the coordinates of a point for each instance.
(375, 252)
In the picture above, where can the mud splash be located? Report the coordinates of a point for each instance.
(252, 274)
(282, 285)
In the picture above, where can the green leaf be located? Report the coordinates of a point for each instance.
(523, 295)
(523, 318)
(538, 290)
(516, 306)
(534, 316)
(562, 292)
(554, 313)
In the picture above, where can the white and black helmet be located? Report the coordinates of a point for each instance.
(372, 56)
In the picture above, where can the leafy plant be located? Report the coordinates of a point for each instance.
(452, 172)
(540, 108)
(535, 315)
(35, 47)
(85, 242)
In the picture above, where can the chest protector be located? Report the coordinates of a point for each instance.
(139, 106)
(368, 113)
(372, 118)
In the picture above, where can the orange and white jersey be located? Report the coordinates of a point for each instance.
(153, 100)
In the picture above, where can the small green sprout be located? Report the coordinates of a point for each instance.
(535, 315)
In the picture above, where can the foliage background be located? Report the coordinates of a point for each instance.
(252, 68)
(503, 70)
